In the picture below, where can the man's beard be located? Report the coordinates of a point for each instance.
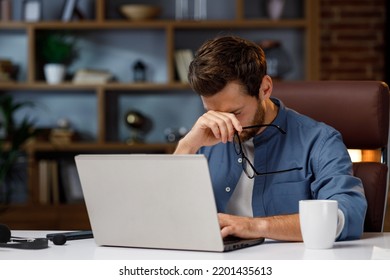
(258, 118)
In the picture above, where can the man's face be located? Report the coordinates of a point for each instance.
(258, 118)
(233, 99)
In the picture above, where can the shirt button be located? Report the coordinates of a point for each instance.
(227, 189)
(239, 160)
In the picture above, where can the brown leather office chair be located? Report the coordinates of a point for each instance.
(360, 111)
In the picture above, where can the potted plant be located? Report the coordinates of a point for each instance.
(57, 51)
(13, 137)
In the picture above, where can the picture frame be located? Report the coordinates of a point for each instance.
(32, 10)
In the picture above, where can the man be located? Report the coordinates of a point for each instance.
(264, 157)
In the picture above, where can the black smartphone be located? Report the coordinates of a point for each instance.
(72, 235)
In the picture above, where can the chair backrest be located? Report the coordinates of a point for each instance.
(360, 111)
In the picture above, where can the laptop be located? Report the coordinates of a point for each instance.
(152, 201)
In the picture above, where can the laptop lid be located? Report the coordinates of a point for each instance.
(152, 201)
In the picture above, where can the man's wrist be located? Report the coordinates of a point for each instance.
(183, 147)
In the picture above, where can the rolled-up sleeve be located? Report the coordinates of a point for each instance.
(334, 180)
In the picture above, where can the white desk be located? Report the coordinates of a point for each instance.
(371, 246)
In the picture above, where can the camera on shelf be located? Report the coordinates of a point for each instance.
(173, 135)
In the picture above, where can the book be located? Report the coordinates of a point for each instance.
(68, 10)
(183, 58)
(5, 10)
(49, 191)
(54, 184)
(89, 76)
(44, 181)
(70, 182)
(61, 136)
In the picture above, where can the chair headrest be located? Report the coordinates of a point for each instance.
(359, 110)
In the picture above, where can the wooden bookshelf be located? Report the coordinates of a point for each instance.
(69, 216)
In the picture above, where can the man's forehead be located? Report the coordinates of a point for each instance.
(225, 107)
(227, 100)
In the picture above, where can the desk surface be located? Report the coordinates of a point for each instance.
(371, 246)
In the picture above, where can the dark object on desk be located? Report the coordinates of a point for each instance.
(8, 241)
(5, 234)
(61, 238)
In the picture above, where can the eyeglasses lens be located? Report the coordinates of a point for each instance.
(237, 144)
(248, 169)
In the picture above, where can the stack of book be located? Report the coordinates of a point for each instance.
(58, 182)
(90, 76)
(61, 136)
(49, 192)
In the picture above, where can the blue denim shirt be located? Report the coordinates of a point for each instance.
(316, 147)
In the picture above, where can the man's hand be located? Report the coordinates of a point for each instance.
(210, 129)
(283, 227)
(243, 227)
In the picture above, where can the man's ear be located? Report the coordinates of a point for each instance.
(265, 90)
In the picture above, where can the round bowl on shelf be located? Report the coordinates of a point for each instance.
(139, 11)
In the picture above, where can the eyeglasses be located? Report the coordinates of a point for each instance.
(247, 166)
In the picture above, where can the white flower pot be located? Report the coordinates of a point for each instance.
(54, 73)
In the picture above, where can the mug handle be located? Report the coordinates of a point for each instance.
(340, 222)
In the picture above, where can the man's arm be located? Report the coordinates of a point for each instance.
(335, 180)
(185, 146)
(210, 129)
(284, 227)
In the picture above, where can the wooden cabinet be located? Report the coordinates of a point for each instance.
(99, 109)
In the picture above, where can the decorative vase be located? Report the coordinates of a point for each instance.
(275, 8)
(54, 73)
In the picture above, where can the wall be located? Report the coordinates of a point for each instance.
(353, 44)
(352, 39)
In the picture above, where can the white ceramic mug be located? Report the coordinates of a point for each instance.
(320, 223)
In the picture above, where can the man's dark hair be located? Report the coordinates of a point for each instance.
(227, 59)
